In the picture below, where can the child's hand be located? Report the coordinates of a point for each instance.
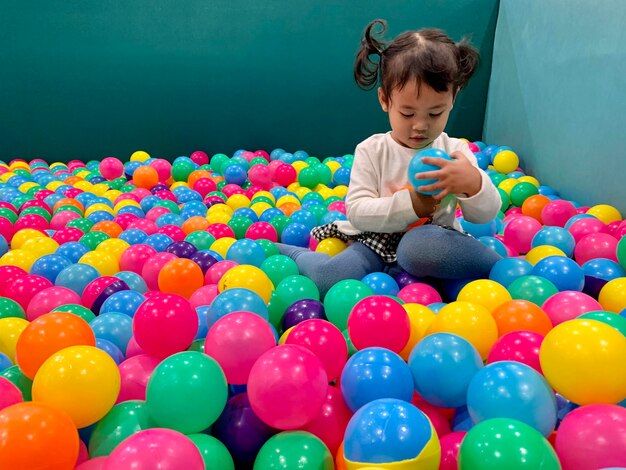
(423, 205)
(456, 176)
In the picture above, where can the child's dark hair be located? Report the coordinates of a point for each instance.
(426, 56)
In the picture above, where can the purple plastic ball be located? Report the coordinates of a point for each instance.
(182, 249)
(305, 309)
(204, 260)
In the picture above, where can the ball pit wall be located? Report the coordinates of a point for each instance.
(108, 78)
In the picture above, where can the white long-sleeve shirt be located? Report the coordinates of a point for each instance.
(378, 201)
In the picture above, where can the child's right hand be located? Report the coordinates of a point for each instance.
(423, 205)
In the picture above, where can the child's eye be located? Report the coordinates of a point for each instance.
(407, 115)
(436, 114)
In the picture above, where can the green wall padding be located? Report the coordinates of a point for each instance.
(91, 79)
(558, 94)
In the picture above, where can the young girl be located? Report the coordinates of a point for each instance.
(390, 225)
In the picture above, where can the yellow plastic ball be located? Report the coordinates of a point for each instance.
(605, 213)
(333, 166)
(10, 330)
(19, 166)
(221, 245)
(506, 161)
(83, 174)
(420, 318)
(21, 258)
(114, 247)
(24, 187)
(22, 236)
(283, 337)
(6, 176)
(266, 194)
(470, 321)
(287, 198)
(220, 209)
(237, 201)
(508, 184)
(99, 206)
(247, 277)
(112, 195)
(529, 179)
(302, 191)
(139, 156)
(178, 184)
(298, 166)
(485, 292)
(104, 263)
(340, 191)
(41, 246)
(612, 296)
(83, 381)
(323, 191)
(542, 251)
(54, 185)
(99, 189)
(83, 185)
(331, 246)
(219, 217)
(125, 203)
(583, 360)
(293, 187)
(260, 207)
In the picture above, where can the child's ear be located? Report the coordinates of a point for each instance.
(382, 99)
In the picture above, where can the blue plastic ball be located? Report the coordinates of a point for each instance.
(507, 270)
(50, 266)
(416, 166)
(235, 174)
(133, 280)
(76, 277)
(114, 327)
(235, 300)
(381, 283)
(133, 236)
(126, 302)
(495, 244)
(479, 230)
(296, 234)
(111, 349)
(563, 272)
(246, 251)
(555, 236)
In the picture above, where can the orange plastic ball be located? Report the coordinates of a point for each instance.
(516, 315)
(533, 206)
(196, 175)
(196, 223)
(112, 229)
(66, 201)
(145, 177)
(180, 276)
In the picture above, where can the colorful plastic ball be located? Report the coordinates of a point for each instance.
(542, 252)
(516, 315)
(290, 290)
(519, 232)
(49, 266)
(83, 381)
(390, 431)
(294, 449)
(278, 267)
(135, 372)
(241, 431)
(133, 280)
(612, 296)
(479, 230)
(467, 320)
(609, 318)
(379, 320)
(381, 283)
(557, 237)
(10, 308)
(214, 453)
(20, 258)
(105, 264)
(585, 225)
(556, 213)
(521, 192)
(605, 213)
(519, 346)
(165, 324)
(450, 447)
(134, 257)
(419, 293)
(375, 373)
(285, 396)
(598, 272)
(178, 388)
(296, 234)
(582, 360)
(484, 292)
(180, 276)
(35, 432)
(141, 451)
(509, 389)
(568, 305)
(500, 443)
(126, 302)
(596, 245)
(100, 289)
(246, 251)
(48, 299)
(535, 289)
(417, 166)
(505, 161)
(111, 349)
(9, 393)
(302, 310)
(593, 437)
(152, 268)
(236, 341)
(248, 277)
(114, 327)
(456, 362)
(563, 272)
(23, 289)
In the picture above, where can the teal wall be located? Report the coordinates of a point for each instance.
(96, 78)
(558, 94)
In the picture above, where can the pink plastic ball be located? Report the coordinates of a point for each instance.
(519, 346)
(124, 220)
(259, 175)
(231, 189)
(236, 341)
(48, 299)
(473, 147)
(199, 158)
(134, 374)
(156, 212)
(262, 154)
(582, 209)
(287, 387)
(36, 203)
(262, 230)
(8, 275)
(67, 234)
(220, 230)
(9, 393)
(592, 437)
(557, 213)
(380, 321)
(83, 453)
(587, 226)
(175, 233)
(596, 245)
(568, 305)
(141, 192)
(324, 340)
(339, 206)
(204, 295)
(330, 425)
(146, 226)
(155, 448)
(152, 267)
(419, 293)
(217, 270)
(613, 227)
(165, 324)
(204, 186)
(111, 168)
(435, 415)
(519, 233)
(163, 168)
(6, 229)
(450, 447)
(23, 289)
(34, 221)
(135, 256)
(284, 175)
(61, 219)
(132, 348)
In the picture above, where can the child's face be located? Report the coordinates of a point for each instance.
(417, 116)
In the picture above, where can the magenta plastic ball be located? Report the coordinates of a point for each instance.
(134, 257)
(287, 387)
(9, 393)
(145, 225)
(164, 449)
(165, 324)
(175, 233)
(162, 167)
(204, 186)
(380, 321)
(260, 230)
(134, 374)
(215, 272)
(236, 341)
(111, 168)
(568, 305)
(220, 231)
(48, 299)
(204, 295)
(152, 267)
(419, 293)
(450, 446)
(592, 437)
(596, 245)
(520, 346)
(519, 233)
(23, 289)
(132, 348)
(61, 219)
(259, 175)
(557, 213)
(324, 340)
(67, 234)
(8, 275)
(586, 226)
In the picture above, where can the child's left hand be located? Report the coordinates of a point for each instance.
(456, 176)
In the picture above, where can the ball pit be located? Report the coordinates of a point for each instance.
(144, 303)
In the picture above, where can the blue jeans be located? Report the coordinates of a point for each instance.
(429, 251)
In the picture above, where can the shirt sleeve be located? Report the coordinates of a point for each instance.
(366, 209)
(483, 206)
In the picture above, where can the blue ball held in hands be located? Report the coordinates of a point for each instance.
(416, 166)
